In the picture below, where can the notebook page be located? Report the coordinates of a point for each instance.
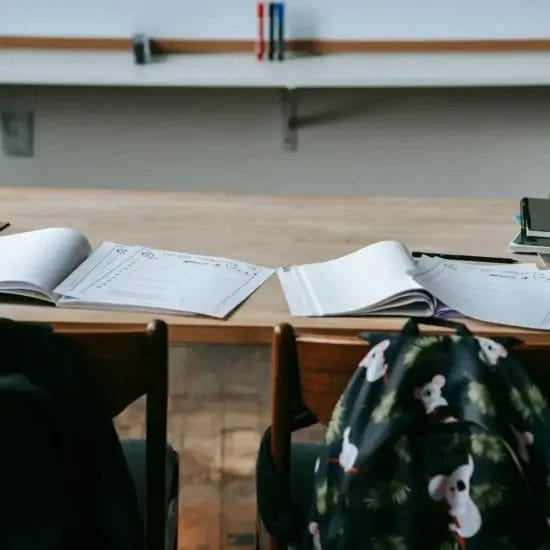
(40, 259)
(107, 257)
(351, 283)
(504, 295)
(138, 277)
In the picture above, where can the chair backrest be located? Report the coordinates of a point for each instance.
(125, 365)
(313, 369)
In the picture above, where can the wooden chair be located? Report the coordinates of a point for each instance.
(311, 371)
(126, 365)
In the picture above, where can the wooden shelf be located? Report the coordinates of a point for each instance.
(241, 70)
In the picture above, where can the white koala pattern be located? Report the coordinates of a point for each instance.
(456, 490)
(349, 452)
(316, 534)
(375, 362)
(523, 440)
(491, 351)
(430, 394)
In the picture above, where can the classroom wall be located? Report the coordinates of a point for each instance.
(342, 19)
(476, 142)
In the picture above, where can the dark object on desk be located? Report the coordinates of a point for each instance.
(535, 217)
(523, 244)
(142, 49)
(465, 258)
(3, 225)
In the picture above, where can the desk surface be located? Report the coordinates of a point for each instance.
(266, 230)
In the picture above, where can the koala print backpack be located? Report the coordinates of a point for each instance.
(438, 442)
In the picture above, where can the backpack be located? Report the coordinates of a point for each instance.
(438, 442)
(64, 482)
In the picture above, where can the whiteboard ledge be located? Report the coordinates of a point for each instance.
(116, 68)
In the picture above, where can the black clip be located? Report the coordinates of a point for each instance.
(142, 49)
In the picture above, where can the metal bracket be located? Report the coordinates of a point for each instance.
(17, 128)
(290, 119)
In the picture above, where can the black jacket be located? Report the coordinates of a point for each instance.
(64, 481)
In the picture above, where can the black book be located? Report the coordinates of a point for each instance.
(535, 214)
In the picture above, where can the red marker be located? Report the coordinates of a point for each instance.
(260, 46)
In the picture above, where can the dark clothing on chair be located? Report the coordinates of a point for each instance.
(285, 515)
(64, 481)
(134, 451)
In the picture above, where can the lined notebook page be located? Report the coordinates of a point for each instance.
(39, 260)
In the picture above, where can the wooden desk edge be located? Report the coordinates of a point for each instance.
(262, 335)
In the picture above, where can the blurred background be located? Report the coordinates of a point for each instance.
(395, 98)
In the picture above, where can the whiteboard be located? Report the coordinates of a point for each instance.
(323, 19)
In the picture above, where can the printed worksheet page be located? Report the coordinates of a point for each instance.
(135, 277)
(505, 295)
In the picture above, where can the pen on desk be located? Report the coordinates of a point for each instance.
(281, 28)
(260, 46)
(271, 14)
(466, 258)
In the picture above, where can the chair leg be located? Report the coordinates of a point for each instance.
(176, 529)
(172, 524)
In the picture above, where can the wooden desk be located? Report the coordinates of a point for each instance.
(269, 231)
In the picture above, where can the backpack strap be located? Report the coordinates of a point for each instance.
(411, 326)
(279, 514)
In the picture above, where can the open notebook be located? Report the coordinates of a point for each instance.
(372, 280)
(383, 279)
(57, 265)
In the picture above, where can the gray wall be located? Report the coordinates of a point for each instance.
(475, 142)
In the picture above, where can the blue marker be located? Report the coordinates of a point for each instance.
(280, 10)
